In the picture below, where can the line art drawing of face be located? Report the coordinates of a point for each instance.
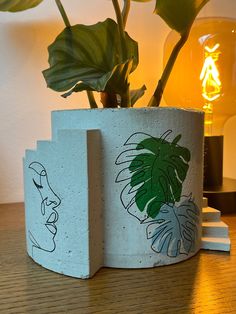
(43, 228)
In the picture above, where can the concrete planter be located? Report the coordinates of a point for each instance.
(115, 188)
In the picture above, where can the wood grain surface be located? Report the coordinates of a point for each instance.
(204, 284)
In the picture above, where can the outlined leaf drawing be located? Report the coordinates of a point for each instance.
(154, 170)
(175, 231)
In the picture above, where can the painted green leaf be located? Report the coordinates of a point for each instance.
(176, 229)
(179, 14)
(18, 5)
(91, 56)
(158, 172)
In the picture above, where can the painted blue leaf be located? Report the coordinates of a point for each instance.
(176, 230)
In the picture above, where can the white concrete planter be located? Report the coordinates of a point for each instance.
(115, 188)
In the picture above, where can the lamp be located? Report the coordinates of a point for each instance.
(204, 77)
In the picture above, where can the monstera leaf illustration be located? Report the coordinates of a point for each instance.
(175, 232)
(154, 169)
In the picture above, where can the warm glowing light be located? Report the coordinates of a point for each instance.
(211, 84)
(210, 51)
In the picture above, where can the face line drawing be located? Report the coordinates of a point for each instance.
(49, 202)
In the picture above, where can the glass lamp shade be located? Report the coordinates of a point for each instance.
(204, 76)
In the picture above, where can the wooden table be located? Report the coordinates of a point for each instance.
(204, 284)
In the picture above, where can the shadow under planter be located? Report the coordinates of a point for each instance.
(115, 188)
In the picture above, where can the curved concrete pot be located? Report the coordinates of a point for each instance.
(115, 188)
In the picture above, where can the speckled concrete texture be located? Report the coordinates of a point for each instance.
(106, 216)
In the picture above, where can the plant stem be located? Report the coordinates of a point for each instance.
(125, 11)
(109, 100)
(120, 23)
(90, 95)
(63, 13)
(125, 99)
(156, 98)
(91, 99)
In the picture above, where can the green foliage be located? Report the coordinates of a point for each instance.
(90, 58)
(135, 94)
(179, 14)
(100, 57)
(158, 173)
(18, 5)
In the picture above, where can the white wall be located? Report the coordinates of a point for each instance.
(26, 103)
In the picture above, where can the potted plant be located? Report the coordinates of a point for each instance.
(132, 178)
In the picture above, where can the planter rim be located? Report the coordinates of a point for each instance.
(144, 109)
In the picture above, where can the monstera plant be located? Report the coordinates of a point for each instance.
(102, 56)
(152, 174)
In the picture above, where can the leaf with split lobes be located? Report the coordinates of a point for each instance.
(158, 173)
(18, 5)
(175, 231)
(91, 56)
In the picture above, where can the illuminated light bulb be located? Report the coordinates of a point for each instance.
(204, 75)
(211, 84)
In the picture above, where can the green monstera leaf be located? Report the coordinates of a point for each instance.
(90, 58)
(175, 231)
(18, 5)
(179, 14)
(155, 170)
